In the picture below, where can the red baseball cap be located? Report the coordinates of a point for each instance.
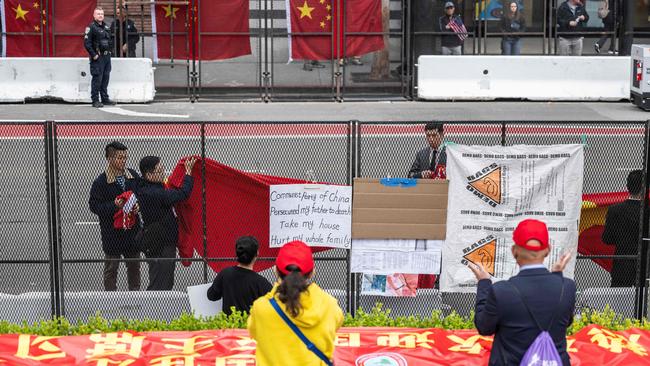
(295, 253)
(528, 230)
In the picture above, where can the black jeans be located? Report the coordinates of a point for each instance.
(161, 272)
(100, 70)
(603, 39)
(132, 272)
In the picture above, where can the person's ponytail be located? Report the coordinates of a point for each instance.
(289, 290)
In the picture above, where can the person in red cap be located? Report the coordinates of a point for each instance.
(296, 307)
(516, 309)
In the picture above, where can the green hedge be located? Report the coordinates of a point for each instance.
(377, 317)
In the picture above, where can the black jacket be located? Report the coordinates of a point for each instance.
(500, 311)
(126, 33)
(513, 25)
(102, 204)
(565, 15)
(157, 207)
(452, 39)
(98, 39)
(422, 163)
(622, 230)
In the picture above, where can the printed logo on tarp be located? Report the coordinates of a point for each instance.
(482, 252)
(486, 184)
(381, 359)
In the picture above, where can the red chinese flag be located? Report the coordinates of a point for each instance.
(23, 24)
(230, 18)
(307, 19)
(67, 26)
(172, 28)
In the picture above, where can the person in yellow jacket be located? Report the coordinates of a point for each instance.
(315, 312)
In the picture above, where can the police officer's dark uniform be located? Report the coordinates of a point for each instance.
(98, 41)
(127, 34)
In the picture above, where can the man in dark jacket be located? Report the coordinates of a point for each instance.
(116, 243)
(622, 230)
(452, 44)
(124, 31)
(572, 17)
(512, 309)
(430, 162)
(160, 227)
(99, 43)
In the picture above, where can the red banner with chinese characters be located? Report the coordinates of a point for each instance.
(354, 346)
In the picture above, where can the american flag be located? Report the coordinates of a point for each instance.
(459, 29)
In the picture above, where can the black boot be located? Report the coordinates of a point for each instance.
(97, 104)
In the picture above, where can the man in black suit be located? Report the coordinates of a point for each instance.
(512, 309)
(430, 162)
(622, 230)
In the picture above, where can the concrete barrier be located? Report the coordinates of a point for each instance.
(35, 306)
(619, 299)
(68, 79)
(539, 78)
(426, 301)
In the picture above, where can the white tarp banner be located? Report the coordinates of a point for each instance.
(492, 189)
(318, 214)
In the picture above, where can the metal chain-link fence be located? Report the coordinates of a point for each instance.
(53, 259)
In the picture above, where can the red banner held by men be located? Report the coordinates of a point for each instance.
(223, 25)
(308, 19)
(592, 345)
(237, 205)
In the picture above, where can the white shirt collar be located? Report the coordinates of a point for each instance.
(531, 266)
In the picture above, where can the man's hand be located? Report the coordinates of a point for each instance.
(581, 18)
(189, 164)
(447, 26)
(426, 174)
(573, 23)
(96, 57)
(119, 202)
(125, 48)
(479, 272)
(561, 262)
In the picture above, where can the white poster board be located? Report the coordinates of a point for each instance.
(199, 302)
(317, 214)
(492, 189)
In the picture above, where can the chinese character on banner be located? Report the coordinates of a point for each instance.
(236, 360)
(569, 345)
(120, 349)
(245, 344)
(187, 351)
(405, 340)
(347, 340)
(470, 345)
(615, 342)
(38, 348)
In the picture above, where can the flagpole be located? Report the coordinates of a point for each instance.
(288, 11)
(3, 12)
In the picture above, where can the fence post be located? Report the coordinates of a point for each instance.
(53, 228)
(640, 307)
(204, 215)
(353, 172)
(503, 134)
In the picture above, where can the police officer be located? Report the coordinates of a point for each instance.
(124, 30)
(99, 43)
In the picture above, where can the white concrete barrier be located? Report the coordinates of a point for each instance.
(132, 79)
(540, 78)
(35, 306)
